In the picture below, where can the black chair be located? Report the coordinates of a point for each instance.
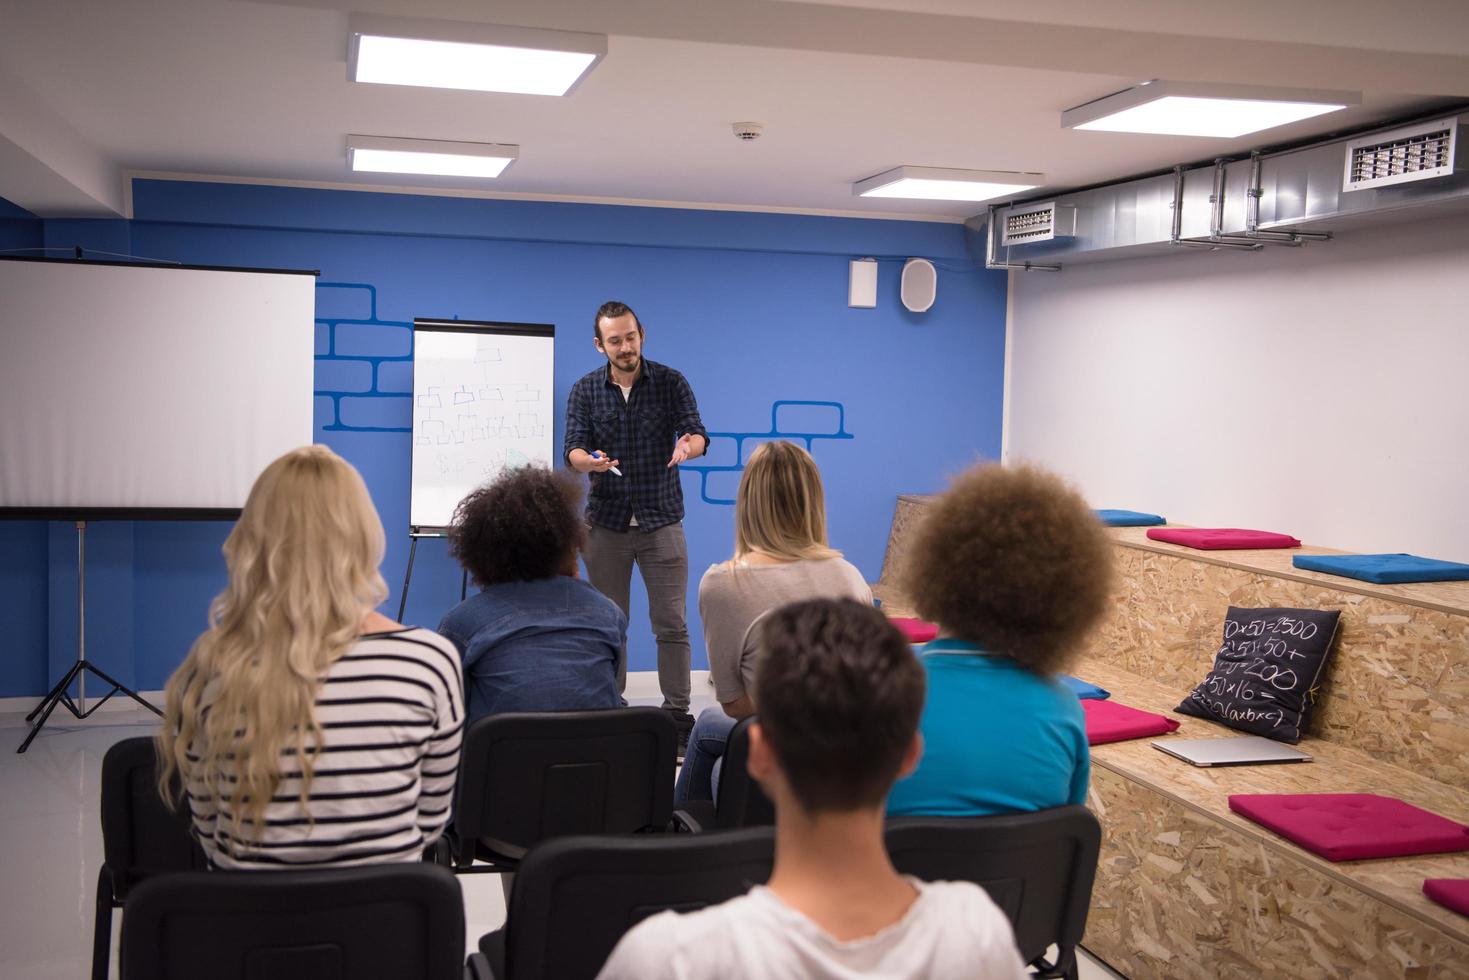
(526, 777)
(1038, 867)
(385, 922)
(141, 837)
(575, 897)
(742, 803)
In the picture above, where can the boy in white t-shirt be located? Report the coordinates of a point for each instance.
(840, 693)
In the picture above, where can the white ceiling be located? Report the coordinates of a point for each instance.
(92, 90)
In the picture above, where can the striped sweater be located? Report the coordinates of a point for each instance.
(391, 711)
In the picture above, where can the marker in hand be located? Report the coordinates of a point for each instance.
(597, 454)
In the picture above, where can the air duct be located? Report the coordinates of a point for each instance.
(1284, 198)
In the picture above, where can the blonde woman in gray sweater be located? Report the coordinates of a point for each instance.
(781, 556)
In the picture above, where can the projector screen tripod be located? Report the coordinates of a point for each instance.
(58, 694)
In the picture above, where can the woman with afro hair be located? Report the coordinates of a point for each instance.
(536, 637)
(1015, 569)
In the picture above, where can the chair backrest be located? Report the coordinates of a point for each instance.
(742, 803)
(386, 922)
(140, 835)
(528, 776)
(1038, 867)
(575, 897)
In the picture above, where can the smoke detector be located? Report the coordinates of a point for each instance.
(748, 131)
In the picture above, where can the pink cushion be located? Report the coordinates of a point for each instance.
(916, 630)
(1352, 826)
(1451, 893)
(1222, 538)
(1108, 721)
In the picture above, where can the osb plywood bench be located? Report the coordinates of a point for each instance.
(1187, 888)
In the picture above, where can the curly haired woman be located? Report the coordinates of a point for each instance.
(1015, 569)
(537, 638)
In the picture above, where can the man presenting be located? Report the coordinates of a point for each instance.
(629, 425)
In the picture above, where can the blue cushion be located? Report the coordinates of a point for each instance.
(1085, 691)
(1128, 518)
(1385, 569)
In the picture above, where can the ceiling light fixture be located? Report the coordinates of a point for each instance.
(1201, 109)
(481, 57)
(443, 158)
(940, 184)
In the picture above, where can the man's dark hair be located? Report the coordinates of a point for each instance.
(839, 693)
(1013, 560)
(521, 527)
(613, 309)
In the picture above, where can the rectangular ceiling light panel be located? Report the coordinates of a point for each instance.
(1188, 109)
(443, 158)
(479, 57)
(941, 184)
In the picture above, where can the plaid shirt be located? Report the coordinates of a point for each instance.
(640, 434)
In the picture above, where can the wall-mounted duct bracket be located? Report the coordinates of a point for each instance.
(1254, 238)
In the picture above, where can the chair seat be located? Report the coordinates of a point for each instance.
(701, 812)
(492, 944)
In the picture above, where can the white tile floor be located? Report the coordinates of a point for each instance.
(51, 841)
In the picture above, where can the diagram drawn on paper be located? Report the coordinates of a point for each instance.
(481, 404)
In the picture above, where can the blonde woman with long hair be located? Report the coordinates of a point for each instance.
(781, 556)
(309, 729)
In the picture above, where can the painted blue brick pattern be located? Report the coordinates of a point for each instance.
(375, 339)
(386, 413)
(344, 301)
(324, 411)
(724, 451)
(790, 420)
(341, 375)
(364, 365)
(395, 376)
(816, 418)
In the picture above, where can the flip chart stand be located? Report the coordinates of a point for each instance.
(414, 534)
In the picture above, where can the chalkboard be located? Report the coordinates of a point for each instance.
(481, 403)
(1267, 671)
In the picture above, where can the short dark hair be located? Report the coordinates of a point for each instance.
(1011, 559)
(522, 526)
(839, 693)
(612, 309)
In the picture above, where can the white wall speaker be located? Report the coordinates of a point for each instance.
(862, 283)
(920, 285)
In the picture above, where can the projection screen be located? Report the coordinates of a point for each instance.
(148, 391)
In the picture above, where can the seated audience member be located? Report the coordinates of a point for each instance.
(780, 556)
(308, 729)
(840, 694)
(537, 638)
(1015, 569)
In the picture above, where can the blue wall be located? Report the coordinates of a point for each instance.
(751, 307)
(20, 231)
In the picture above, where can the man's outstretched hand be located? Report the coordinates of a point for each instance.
(684, 449)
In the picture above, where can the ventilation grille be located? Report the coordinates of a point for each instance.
(1038, 223)
(1401, 156)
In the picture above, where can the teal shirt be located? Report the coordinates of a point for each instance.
(996, 739)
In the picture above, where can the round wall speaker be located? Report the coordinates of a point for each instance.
(920, 285)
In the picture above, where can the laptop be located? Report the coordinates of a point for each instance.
(1245, 750)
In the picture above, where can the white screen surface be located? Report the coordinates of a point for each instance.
(127, 387)
(481, 403)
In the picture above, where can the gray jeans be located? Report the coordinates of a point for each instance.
(662, 556)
